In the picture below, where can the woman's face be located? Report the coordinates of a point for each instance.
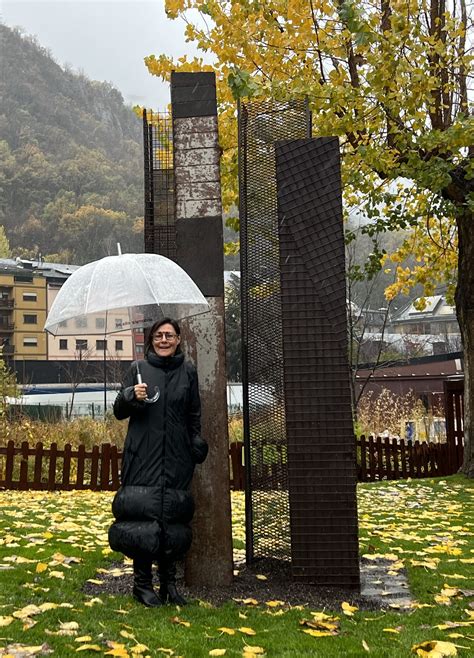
(165, 340)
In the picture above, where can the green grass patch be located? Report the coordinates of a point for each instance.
(51, 543)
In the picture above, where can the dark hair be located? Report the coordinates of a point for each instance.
(157, 325)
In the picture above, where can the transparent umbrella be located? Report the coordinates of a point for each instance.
(124, 292)
(120, 293)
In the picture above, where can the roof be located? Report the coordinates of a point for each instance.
(435, 307)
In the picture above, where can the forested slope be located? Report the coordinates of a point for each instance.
(71, 165)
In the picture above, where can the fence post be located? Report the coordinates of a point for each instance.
(23, 481)
(53, 452)
(363, 458)
(38, 472)
(9, 461)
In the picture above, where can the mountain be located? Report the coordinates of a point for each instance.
(71, 160)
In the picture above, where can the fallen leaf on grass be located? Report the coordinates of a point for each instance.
(6, 621)
(138, 649)
(93, 601)
(366, 646)
(227, 631)
(332, 627)
(428, 564)
(127, 635)
(253, 651)
(83, 638)
(182, 622)
(274, 604)
(40, 567)
(168, 652)
(94, 581)
(117, 649)
(435, 649)
(315, 633)
(348, 609)
(391, 630)
(27, 611)
(89, 647)
(22, 650)
(247, 631)
(56, 574)
(217, 652)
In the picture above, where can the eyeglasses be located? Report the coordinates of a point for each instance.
(166, 334)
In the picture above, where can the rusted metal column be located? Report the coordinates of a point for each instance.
(199, 251)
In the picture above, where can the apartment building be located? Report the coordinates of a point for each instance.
(27, 292)
(23, 311)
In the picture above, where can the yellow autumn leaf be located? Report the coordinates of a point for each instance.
(56, 574)
(138, 649)
(315, 633)
(6, 621)
(348, 609)
(127, 635)
(181, 622)
(40, 567)
(94, 581)
(247, 631)
(217, 652)
(366, 646)
(434, 649)
(89, 647)
(253, 651)
(260, 576)
(390, 630)
(227, 631)
(48, 605)
(274, 604)
(27, 611)
(250, 601)
(69, 626)
(83, 638)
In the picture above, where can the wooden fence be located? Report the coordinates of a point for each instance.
(27, 467)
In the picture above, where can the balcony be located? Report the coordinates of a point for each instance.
(6, 325)
(7, 349)
(5, 302)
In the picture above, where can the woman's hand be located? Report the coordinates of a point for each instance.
(140, 391)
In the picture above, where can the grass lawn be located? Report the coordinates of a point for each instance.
(51, 543)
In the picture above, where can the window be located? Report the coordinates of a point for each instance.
(81, 344)
(100, 344)
(81, 322)
(100, 323)
(118, 323)
(63, 343)
(30, 319)
(30, 342)
(139, 349)
(118, 345)
(30, 297)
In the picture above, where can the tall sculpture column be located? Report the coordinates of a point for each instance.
(199, 251)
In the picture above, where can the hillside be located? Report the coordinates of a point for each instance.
(71, 164)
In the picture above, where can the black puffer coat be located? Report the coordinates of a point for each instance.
(154, 506)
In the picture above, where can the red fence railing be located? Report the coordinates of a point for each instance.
(37, 467)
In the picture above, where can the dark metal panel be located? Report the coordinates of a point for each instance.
(199, 245)
(321, 445)
(193, 95)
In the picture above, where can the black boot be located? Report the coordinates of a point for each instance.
(168, 591)
(143, 590)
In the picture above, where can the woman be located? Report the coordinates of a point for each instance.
(153, 507)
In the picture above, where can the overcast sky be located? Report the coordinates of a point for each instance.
(106, 39)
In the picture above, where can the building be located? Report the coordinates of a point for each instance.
(27, 291)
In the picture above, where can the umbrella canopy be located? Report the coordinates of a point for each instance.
(124, 292)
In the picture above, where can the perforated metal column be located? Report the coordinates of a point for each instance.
(267, 504)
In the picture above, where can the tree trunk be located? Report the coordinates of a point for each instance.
(465, 314)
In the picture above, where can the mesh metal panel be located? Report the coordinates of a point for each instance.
(160, 229)
(267, 504)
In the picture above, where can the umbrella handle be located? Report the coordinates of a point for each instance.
(157, 392)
